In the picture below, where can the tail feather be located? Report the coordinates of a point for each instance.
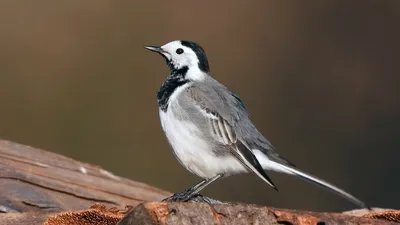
(328, 186)
(249, 161)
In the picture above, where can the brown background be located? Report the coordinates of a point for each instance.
(320, 79)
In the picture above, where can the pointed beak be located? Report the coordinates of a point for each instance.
(155, 49)
(160, 51)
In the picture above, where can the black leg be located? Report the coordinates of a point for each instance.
(189, 193)
(200, 186)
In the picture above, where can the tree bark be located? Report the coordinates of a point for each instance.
(39, 187)
(237, 214)
(35, 180)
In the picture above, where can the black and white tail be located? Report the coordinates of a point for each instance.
(318, 181)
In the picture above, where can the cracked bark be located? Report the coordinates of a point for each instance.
(35, 180)
(39, 187)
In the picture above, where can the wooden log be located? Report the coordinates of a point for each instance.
(35, 180)
(238, 214)
(39, 187)
(198, 213)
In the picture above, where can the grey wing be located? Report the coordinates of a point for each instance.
(221, 120)
(213, 96)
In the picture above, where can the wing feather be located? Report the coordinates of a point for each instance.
(222, 130)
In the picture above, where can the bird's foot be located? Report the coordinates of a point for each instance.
(183, 196)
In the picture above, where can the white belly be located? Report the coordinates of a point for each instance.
(194, 153)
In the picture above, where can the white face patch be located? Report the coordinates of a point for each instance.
(182, 57)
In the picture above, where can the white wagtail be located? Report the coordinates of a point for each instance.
(209, 128)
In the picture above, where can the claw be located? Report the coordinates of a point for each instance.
(183, 196)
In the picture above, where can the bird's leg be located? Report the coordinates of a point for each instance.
(191, 192)
(184, 195)
(200, 186)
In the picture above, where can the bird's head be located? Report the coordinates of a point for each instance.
(181, 54)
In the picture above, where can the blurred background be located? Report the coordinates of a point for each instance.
(320, 79)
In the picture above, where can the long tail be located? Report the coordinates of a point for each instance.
(328, 186)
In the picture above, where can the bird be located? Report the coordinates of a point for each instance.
(209, 129)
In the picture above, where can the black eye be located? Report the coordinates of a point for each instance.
(179, 51)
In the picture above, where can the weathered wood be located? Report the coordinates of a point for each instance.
(31, 218)
(35, 180)
(39, 187)
(97, 214)
(238, 214)
(197, 213)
